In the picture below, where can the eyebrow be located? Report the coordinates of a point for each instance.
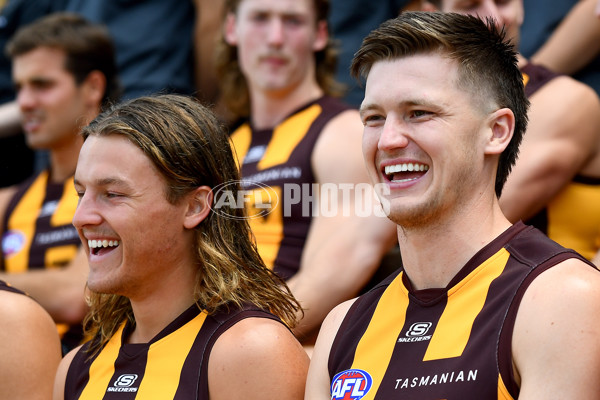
(403, 103)
(106, 182)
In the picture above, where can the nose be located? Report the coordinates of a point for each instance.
(86, 213)
(275, 32)
(393, 134)
(25, 98)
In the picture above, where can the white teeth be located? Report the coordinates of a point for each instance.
(390, 169)
(93, 244)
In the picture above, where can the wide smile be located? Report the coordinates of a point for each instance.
(404, 172)
(97, 247)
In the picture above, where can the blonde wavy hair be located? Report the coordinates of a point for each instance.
(189, 147)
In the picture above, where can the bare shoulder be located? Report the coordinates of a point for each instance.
(346, 124)
(20, 312)
(262, 357)
(29, 345)
(563, 102)
(555, 342)
(340, 144)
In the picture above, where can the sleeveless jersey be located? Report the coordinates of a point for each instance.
(277, 179)
(173, 365)
(572, 217)
(37, 228)
(8, 288)
(452, 343)
(38, 233)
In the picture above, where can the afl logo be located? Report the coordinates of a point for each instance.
(352, 384)
(12, 243)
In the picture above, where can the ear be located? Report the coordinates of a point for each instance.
(321, 37)
(428, 6)
(198, 206)
(502, 126)
(229, 33)
(94, 87)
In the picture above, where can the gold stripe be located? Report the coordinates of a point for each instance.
(60, 256)
(287, 136)
(240, 143)
(502, 390)
(165, 361)
(23, 221)
(268, 230)
(454, 327)
(103, 368)
(63, 215)
(375, 349)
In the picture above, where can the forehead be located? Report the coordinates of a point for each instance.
(41, 60)
(429, 77)
(114, 157)
(284, 7)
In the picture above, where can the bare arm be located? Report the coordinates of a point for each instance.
(257, 358)
(60, 291)
(343, 251)
(574, 43)
(556, 350)
(318, 382)
(209, 18)
(30, 349)
(562, 138)
(10, 119)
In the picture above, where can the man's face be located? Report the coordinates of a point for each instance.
(52, 105)
(423, 138)
(506, 13)
(276, 42)
(135, 238)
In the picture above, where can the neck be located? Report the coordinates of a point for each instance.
(63, 160)
(157, 307)
(433, 255)
(268, 109)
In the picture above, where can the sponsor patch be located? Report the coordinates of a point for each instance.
(12, 243)
(352, 384)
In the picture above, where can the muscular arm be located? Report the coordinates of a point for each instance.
(257, 358)
(30, 349)
(556, 350)
(318, 380)
(60, 291)
(574, 43)
(561, 139)
(343, 251)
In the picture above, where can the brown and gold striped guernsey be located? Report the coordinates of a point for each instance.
(173, 365)
(37, 233)
(37, 228)
(451, 343)
(276, 167)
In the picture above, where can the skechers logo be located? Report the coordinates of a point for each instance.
(417, 333)
(124, 383)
